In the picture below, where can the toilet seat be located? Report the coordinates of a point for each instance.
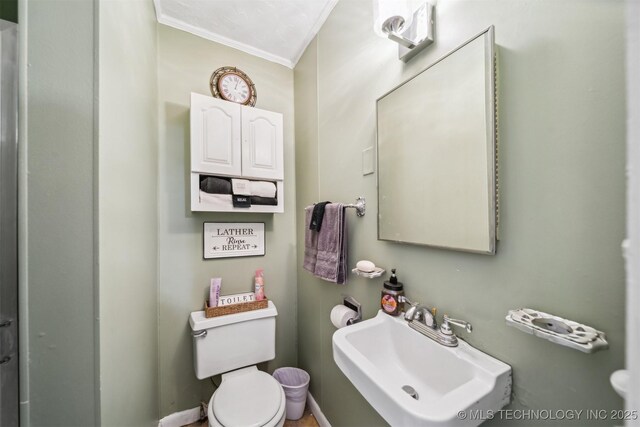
(248, 398)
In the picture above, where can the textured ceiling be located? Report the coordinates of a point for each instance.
(277, 30)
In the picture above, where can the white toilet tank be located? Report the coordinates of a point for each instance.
(225, 343)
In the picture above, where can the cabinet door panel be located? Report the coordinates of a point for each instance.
(262, 144)
(215, 136)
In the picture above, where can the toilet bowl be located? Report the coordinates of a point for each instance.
(249, 398)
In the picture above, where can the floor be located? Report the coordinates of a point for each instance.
(307, 420)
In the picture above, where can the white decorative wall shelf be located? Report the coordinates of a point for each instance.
(558, 330)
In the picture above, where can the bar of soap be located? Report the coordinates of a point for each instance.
(366, 266)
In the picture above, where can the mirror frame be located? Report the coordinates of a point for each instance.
(492, 140)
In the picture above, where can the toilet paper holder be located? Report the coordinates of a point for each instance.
(354, 305)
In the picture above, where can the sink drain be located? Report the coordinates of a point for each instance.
(410, 391)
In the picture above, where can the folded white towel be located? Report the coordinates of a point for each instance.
(263, 188)
(220, 200)
(241, 187)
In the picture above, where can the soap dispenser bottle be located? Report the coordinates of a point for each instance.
(391, 292)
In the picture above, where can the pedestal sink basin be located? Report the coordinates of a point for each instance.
(413, 381)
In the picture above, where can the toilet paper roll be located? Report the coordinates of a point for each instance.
(340, 315)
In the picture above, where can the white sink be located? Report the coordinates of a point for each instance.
(383, 354)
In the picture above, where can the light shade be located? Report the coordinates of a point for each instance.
(411, 29)
(391, 16)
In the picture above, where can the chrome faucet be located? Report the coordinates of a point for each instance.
(420, 313)
(423, 320)
(429, 316)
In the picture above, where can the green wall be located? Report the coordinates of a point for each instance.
(128, 212)
(88, 130)
(58, 216)
(562, 135)
(185, 63)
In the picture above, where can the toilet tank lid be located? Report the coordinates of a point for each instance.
(198, 321)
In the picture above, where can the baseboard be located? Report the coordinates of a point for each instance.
(179, 419)
(317, 412)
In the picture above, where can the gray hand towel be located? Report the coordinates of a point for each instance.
(310, 243)
(332, 244)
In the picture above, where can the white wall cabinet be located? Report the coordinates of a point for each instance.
(233, 140)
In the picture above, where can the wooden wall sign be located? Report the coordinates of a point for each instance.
(233, 239)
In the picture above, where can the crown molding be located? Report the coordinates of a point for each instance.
(260, 53)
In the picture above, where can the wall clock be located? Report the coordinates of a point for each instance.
(231, 84)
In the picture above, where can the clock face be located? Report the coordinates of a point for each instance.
(234, 88)
(232, 84)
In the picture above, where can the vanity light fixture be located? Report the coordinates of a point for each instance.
(413, 31)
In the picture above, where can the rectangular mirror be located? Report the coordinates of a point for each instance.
(437, 153)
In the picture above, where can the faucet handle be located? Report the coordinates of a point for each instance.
(445, 328)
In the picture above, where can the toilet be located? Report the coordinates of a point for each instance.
(232, 345)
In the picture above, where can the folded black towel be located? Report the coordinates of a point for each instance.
(269, 201)
(317, 216)
(215, 185)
